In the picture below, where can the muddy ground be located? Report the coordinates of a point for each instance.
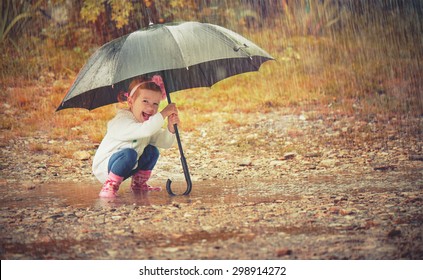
(266, 186)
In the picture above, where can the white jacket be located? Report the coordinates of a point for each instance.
(124, 131)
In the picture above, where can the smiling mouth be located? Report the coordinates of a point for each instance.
(145, 116)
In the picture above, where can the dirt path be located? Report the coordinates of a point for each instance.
(270, 186)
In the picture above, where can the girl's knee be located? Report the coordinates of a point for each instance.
(122, 162)
(149, 158)
(130, 154)
(127, 157)
(152, 151)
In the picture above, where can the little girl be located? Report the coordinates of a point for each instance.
(133, 135)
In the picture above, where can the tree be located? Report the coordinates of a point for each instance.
(14, 17)
(114, 18)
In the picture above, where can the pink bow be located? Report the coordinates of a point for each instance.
(159, 81)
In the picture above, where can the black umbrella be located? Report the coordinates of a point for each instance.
(186, 55)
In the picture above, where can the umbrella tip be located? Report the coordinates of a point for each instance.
(150, 21)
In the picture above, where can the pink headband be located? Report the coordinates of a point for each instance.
(155, 79)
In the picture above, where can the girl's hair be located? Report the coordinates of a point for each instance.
(140, 83)
(144, 84)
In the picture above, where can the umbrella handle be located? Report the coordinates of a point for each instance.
(184, 166)
(178, 139)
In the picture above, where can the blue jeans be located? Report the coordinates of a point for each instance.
(122, 162)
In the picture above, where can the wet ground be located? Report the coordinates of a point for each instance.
(318, 217)
(338, 188)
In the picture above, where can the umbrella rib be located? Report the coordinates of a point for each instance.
(228, 40)
(114, 65)
(206, 77)
(177, 43)
(90, 107)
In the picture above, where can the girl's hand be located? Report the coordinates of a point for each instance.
(171, 120)
(169, 110)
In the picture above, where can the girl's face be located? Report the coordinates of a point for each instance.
(144, 103)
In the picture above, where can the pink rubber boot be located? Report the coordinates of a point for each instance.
(111, 186)
(139, 182)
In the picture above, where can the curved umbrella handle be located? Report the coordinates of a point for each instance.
(166, 81)
(171, 193)
(184, 166)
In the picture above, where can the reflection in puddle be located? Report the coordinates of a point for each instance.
(86, 195)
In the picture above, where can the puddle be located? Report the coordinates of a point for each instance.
(86, 195)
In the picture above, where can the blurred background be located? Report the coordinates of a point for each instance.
(347, 57)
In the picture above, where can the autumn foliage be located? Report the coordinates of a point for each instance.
(353, 57)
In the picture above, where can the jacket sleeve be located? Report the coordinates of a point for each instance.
(163, 139)
(125, 127)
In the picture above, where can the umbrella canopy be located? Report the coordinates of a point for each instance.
(186, 55)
